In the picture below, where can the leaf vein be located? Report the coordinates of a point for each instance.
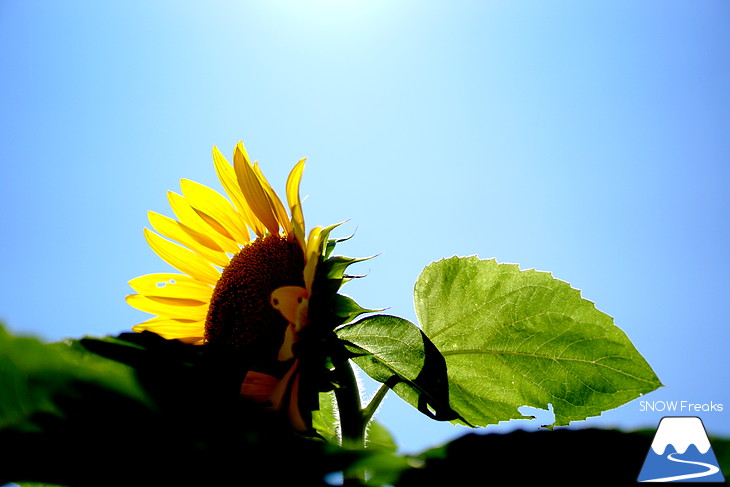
(486, 303)
(595, 362)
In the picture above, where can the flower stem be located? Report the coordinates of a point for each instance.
(349, 406)
(353, 417)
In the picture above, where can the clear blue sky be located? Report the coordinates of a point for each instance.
(589, 139)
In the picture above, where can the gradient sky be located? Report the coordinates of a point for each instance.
(585, 138)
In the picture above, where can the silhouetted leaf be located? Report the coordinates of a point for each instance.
(394, 351)
(160, 412)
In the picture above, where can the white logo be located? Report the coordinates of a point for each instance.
(681, 451)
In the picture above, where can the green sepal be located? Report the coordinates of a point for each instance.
(331, 243)
(334, 267)
(347, 308)
(328, 244)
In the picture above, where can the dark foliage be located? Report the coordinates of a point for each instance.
(564, 457)
(197, 432)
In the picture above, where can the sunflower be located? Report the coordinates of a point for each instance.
(248, 278)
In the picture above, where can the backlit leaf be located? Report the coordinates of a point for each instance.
(515, 338)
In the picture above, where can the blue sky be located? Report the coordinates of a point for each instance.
(588, 139)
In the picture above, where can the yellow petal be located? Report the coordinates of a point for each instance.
(169, 307)
(172, 286)
(286, 395)
(282, 389)
(312, 255)
(255, 194)
(277, 394)
(295, 202)
(182, 259)
(243, 150)
(293, 303)
(192, 239)
(286, 351)
(277, 207)
(229, 181)
(191, 219)
(215, 210)
(188, 331)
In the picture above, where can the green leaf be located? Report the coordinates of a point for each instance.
(379, 437)
(324, 420)
(394, 351)
(34, 375)
(515, 338)
(384, 469)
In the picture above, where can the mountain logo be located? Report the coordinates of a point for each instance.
(681, 452)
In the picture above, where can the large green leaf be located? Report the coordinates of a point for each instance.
(394, 351)
(516, 338)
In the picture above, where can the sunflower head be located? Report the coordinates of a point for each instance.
(250, 280)
(240, 314)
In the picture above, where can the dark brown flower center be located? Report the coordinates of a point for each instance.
(240, 315)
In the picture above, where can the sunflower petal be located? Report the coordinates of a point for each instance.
(172, 286)
(283, 387)
(286, 351)
(293, 303)
(286, 394)
(199, 243)
(182, 259)
(258, 386)
(295, 202)
(188, 331)
(191, 219)
(277, 207)
(255, 194)
(169, 307)
(311, 256)
(215, 210)
(229, 181)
